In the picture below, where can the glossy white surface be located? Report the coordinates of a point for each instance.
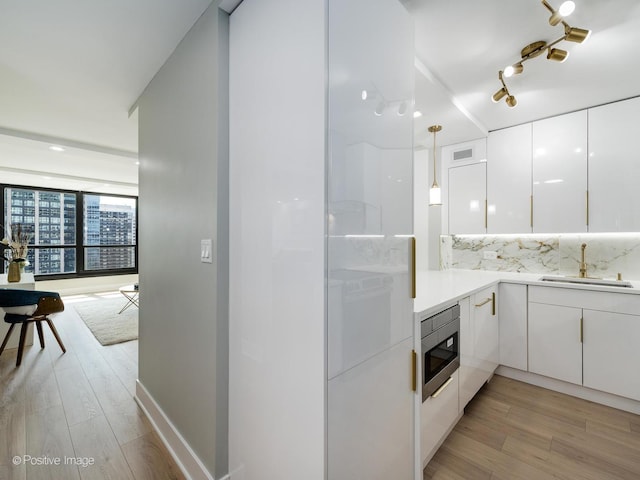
(370, 411)
(437, 416)
(513, 325)
(485, 318)
(26, 282)
(370, 416)
(611, 354)
(555, 349)
(509, 180)
(467, 196)
(277, 343)
(614, 130)
(560, 174)
(470, 375)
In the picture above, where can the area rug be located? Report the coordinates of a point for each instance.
(104, 321)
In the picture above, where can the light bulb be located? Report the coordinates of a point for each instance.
(435, 196)
(567, 8)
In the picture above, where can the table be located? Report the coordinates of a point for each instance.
(130, 292)
(27, 282)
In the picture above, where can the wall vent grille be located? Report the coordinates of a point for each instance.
(465, 154)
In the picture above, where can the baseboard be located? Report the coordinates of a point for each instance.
(603, 398)
(185, 457)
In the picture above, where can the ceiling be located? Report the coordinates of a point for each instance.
(464, 43)
(71, 72)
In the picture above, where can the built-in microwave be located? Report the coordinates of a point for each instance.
(440, 349)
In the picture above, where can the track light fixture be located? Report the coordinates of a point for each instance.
(504, 92)
(401, 107)
(571, 34)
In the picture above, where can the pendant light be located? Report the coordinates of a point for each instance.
(435, 193)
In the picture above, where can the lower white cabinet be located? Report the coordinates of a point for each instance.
(438, 415)
(610, 353)
(555, 349)
(512, 306)
(479, 342)
(594, 348)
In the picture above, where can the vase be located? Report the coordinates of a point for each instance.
(13, 275)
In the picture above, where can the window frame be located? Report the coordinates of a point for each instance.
(79, 246)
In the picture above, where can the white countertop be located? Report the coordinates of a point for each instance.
(439, 289)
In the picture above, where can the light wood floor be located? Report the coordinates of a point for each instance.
(512, 430)
(58, 407)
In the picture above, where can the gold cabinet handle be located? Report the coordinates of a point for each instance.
(484, 302)
(531, 211)
(486, 214)
(587, 208)
(442, 387)
(414, 370)
(413, 267)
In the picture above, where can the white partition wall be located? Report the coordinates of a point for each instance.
(321, 318)
(370, 322)
(277, 240)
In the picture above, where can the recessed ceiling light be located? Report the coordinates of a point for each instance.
(137, 163)
(56, 148)
(417, 114)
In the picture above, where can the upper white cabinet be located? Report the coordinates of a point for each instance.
(614, 165)
(560, 174)
(467, 199)
(509, 180)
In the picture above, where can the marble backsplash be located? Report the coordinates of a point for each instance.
(606, 254)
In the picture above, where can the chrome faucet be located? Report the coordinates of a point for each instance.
(583, 265)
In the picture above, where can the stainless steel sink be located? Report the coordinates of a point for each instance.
(587, 281)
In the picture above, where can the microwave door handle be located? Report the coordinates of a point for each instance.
(442, 387)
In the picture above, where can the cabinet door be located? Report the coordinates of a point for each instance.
(509, 180)
(437, 416)
(470, 374)
(485, 324)
(560, 174)
(467, 199)
(555, 347)
(513, 325)
(611, 354)
(614, 130)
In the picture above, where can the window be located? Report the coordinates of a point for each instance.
(110, 232)
(74, 233)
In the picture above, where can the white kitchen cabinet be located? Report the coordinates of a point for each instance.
(555, 347)
(479, 355)
(467, 187)
(586, 338)
(370, 411)
(438, 415)
(610, 352)
(486, 334)
(509, 180)
(613, 166)
(512, 306)
(560, 174)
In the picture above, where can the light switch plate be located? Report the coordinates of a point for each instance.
(490, 255)
(206, 250)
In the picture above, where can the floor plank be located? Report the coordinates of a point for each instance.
(514, 430)
(76, 404)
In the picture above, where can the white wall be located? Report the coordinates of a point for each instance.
(277, 240)
(183, 356)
